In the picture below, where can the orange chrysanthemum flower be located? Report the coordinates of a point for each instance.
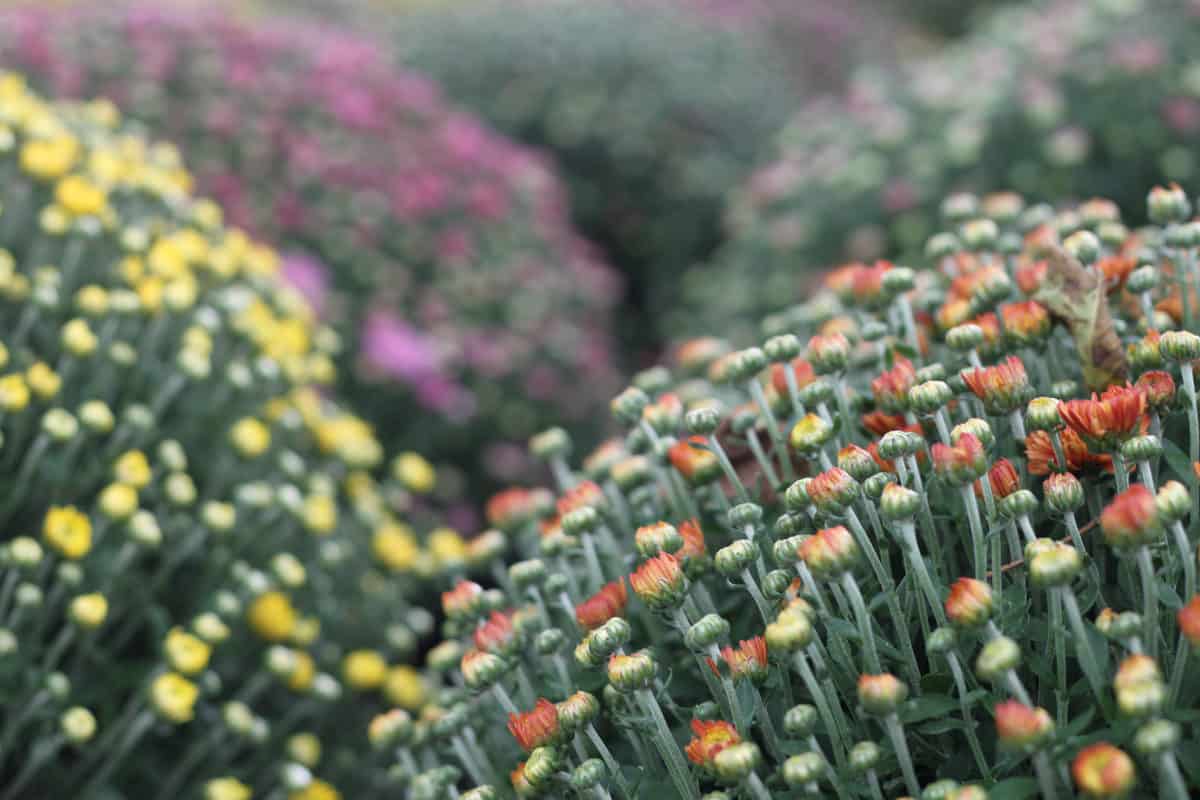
(1106, 421)
(698, 466)
(659, 582)
(711, 737)
(891, 387)
(1003, 479)
(962, 462)
(585, 494)
(536, 728)
(693, 542)
(879, 423)
(1026, 322)
(1102, 770)
(605, 604)
(497, 634)
(802, 370)
(1042, 460)
(1002, 388)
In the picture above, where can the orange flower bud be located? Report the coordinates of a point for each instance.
(970, 603)
(962, 462)
(698, 465)
(710, 739)
(1131, 519)
(536, 728)
(1002, 388)
(892, 386)
(659, 582)
(585, 494)
(748, 660)
(1189, 621)
(1102, 770)
(605, 604)
(497, 635)
(463, 601)
(1018, 725)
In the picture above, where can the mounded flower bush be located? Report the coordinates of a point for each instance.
(650, 112)
(205, 570)
(1029, 101)
(936, 539)
(439, 250)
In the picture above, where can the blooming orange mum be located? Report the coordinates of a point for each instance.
(698, 465)
(605, 604)
(711, 737)
(1131, 519)
(1002, 388)
(536, 728)
(659, 582)
(497, 635)
(1003, 478)
(1106, 421)
(1159, 389)
(1042, 460)
(747, 660)
(463, 600)
(586, 493)
(891, 387)
(693, 549)
(1026, 322)
(955, 311)
(879, 422)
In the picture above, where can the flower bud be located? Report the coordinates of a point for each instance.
(608, 638)
(1139, 686)
(735, 557)
(706, 711)
(969, 604)
(857, 462)
(589, 774)
(828, 353)
(803, 769)
(881, 694)
(800, 721)
(485, 792)
(527, 574)
(660, 582)
(735, 763)
(692, 459)
(874, 486)
(1063, 492)
(628, 673)
(927, 398)
(480, 670)
(810, 434)
(998, 657)
(833, 490)
(1167, 204)
(1155, 737)
(702, 421)
(1188, 618)
(864, 756)
(1101, 770)
(829, 552)
(78, 725)
(791, 631)
(898, 444)
(657, 537)
(1021, 503)
(796, 497)
(941, 640)
(627, 407)
(1042, 414)
(1179, 346)
(550, 443)
(899, 503)
(1019, 726)
(1055, 565)
(940, 790)
(817, 392)
(706, 632)
(1131, 519)
(1159, 388)
(1141, 448)
(775, 584)
(744, 514)
(1082, 245)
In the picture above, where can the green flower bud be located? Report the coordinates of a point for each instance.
(1141, 448)
(485, 792)
(746, 364)
(997, 658)
(588, 774)
(1119, 626)
(788, 524)
(775, 584)
(557, 583)
(873, 487)
(480, 670)
(609, 638)
(541, 765)
(577, 711)
(789, 632)
(898, 503)
(803, 769)
(78, 725)
(627, 407)
(735, 763)
(1056, 566)
(735, 557)
(744, 514)
(786, 551)
(1042, 414)
(580, 521)
(979, 234)
(1180, 345)
(632, 472)
(864, 756)
(783, 348)
(654, 380)
(942, 245)
(701, 421)
(657, 537)
(857, 462)
(941, 640)
(810, 434)
(1156, 736)
(1064, 389)
(1082, 245)
(881, 694)
(897, 444)
(628, 673)
(964, 338)
(873, 330)
(796, 496)
(717, 796)
(979, 428)
(1020, 503)
(549, 641)
(550, 443)
(800, 721)
(1173, 501)
(58, 685)
(940, 790)
(1142, 279)
(817, 392)
(928, 397)
(527, 574)
(706, 632)
(1063, 492)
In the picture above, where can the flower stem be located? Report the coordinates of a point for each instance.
(668, 748)
(895, 733)
(1174, 786)
(979, 559)
(960, 682)
(607, 757)
(776, 434)
(1149, 599)
(1185, 556)
(1045, 776)
(1193, 415)
(757, 790)
(1083, 648)
(727, 467)
(823, 709)
(908, 534)
(871, 653)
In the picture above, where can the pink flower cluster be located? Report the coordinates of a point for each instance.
(442, 250)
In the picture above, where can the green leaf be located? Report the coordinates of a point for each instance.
(1180, 464)
(927, 707)
(940, 726)
(1013, 789)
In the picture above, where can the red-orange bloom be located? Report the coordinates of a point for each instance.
(962, 462)
(1002, 387)
(867, 284)
(801, 369)
(696, 354)
(833, 490)
(747, 660)
(697, 465)
(711, 737)
(1042, 460)
(1115, 270)
(497, 634)
(463, 600)
(1003, 478)
(659, 582)
(891, 387)
(536, 728)
(509, 508)
(1102, 770)
(1018, 725)
(969, 603)
(879, 423)
(1189, 621)
(1159, 389)
(1106, 421)
(605, 604)
(1131, 519)
(1026, 322)
(584, 494)
(1029, 276)
(693, 542)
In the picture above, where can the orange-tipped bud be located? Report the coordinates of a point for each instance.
(698, 465)
(1131, 519)
(891, 388)
(605, 604)
(710, 738)
(659, 582)
(1002, 388)
(1019, 726)
(962, 462)
(1102, 770)
(536, 728)
(970, 603)
(1189, 621)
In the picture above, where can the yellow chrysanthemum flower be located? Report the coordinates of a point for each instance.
(68, 531)
(272, 616)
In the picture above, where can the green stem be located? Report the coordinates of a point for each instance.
(1061, 688)
(1174, 786)
(871, 653)
(895, 733)
(727, 467)
(909, 535)
(607, 757)
(776, 434)
(759, 600)
(1045, 776)
(1193, 415)
(823, 709)
(1149, 599)
(1083, 648)
(1182, 651)
(757, 790)
(978, 556)
(668, 748)
(136, 731)
(1185, 556)
(960, 684)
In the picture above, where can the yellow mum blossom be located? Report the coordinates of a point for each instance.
(68, 531)
(50, 158)
(132, 269)
(92, 300)
(186, 653)
(447, 547)
(394, 545)
(14, 392)
(320, 514)
(89, 610)
(206, 213)
(133, 468)
(364, 669)
(306, 631)
(405, 687)
(118, 501)
(80, 197)
(414, 472)
(150, 293)
(302, 676)
(250, 437)
(272, 616)
(43, 380)
(317, 790)
(78, 339)
(174, 697)
(226, 789)
(304, 748)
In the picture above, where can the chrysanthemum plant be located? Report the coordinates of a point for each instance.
(934, 538)
(198, 570)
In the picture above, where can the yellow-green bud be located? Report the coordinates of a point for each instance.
(881, 694)
(1173, 501)
(1042, 414)
(709, 630)
(864, 756)
(78, 725)
(800, 721)
(803, 769)
(1180, 345)
(550, 443)
(629, 673)
(810, 434)
(735, 763)
(997, 658)
(735, 557)
(927, 398)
